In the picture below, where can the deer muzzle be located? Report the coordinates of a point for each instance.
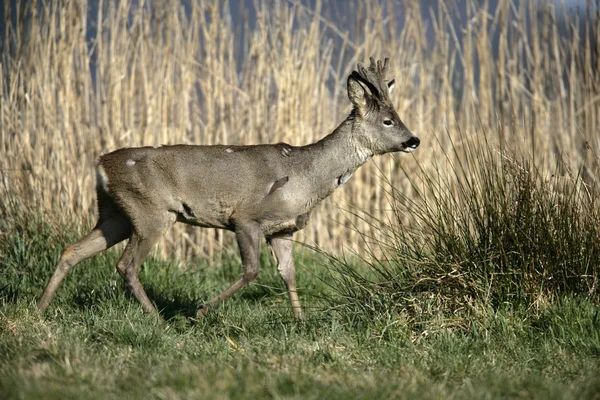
(411, 144)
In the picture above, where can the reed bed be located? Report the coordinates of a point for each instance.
(81, 78)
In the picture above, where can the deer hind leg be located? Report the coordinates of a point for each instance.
(107, 233)
(281, 247)
(138, 247)
(248, 237)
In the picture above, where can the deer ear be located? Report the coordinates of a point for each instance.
(390, 85)
(356, 93)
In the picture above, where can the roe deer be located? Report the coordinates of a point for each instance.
(254, 191)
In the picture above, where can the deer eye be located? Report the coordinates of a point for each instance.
(388, 122)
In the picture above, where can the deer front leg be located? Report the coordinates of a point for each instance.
(282, 250)
(248, 237)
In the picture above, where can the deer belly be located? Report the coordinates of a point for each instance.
(286, 226)
(207, 215)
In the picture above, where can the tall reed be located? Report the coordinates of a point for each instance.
(80, 78)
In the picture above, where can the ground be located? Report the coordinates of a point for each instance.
(95, 342)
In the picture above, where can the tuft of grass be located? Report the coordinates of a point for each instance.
(488, 232)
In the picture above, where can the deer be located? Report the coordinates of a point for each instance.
(256, 191)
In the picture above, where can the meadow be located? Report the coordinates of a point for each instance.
(469, 268)
(384, 343)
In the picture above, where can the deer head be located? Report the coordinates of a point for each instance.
(377, 126)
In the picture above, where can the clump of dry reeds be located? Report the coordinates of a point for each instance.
(76, 82)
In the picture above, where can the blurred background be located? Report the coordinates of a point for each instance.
(81, 78)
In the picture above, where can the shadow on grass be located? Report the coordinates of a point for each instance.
(170, 306)
(258, 292)
(9, 294)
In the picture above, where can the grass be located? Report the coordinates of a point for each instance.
(95, 342)
(500, 232)
(495, 295)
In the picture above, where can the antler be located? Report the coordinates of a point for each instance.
(374, 77)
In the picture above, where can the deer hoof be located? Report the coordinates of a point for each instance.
(202, 311)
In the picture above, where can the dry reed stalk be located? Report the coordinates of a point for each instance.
(155, 74)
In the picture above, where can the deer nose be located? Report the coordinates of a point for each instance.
(413, 142)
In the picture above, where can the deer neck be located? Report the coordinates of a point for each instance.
(340, 153)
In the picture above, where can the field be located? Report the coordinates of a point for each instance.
(469, 269)
(96, 343)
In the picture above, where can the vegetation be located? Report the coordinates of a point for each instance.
(470, 270)
(494, 295)
(84, 79)
(502, 233)
(95, 342)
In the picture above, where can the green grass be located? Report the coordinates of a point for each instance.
(484, 284)
(95, 342)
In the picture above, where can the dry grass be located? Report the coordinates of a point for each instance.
(162, 73)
